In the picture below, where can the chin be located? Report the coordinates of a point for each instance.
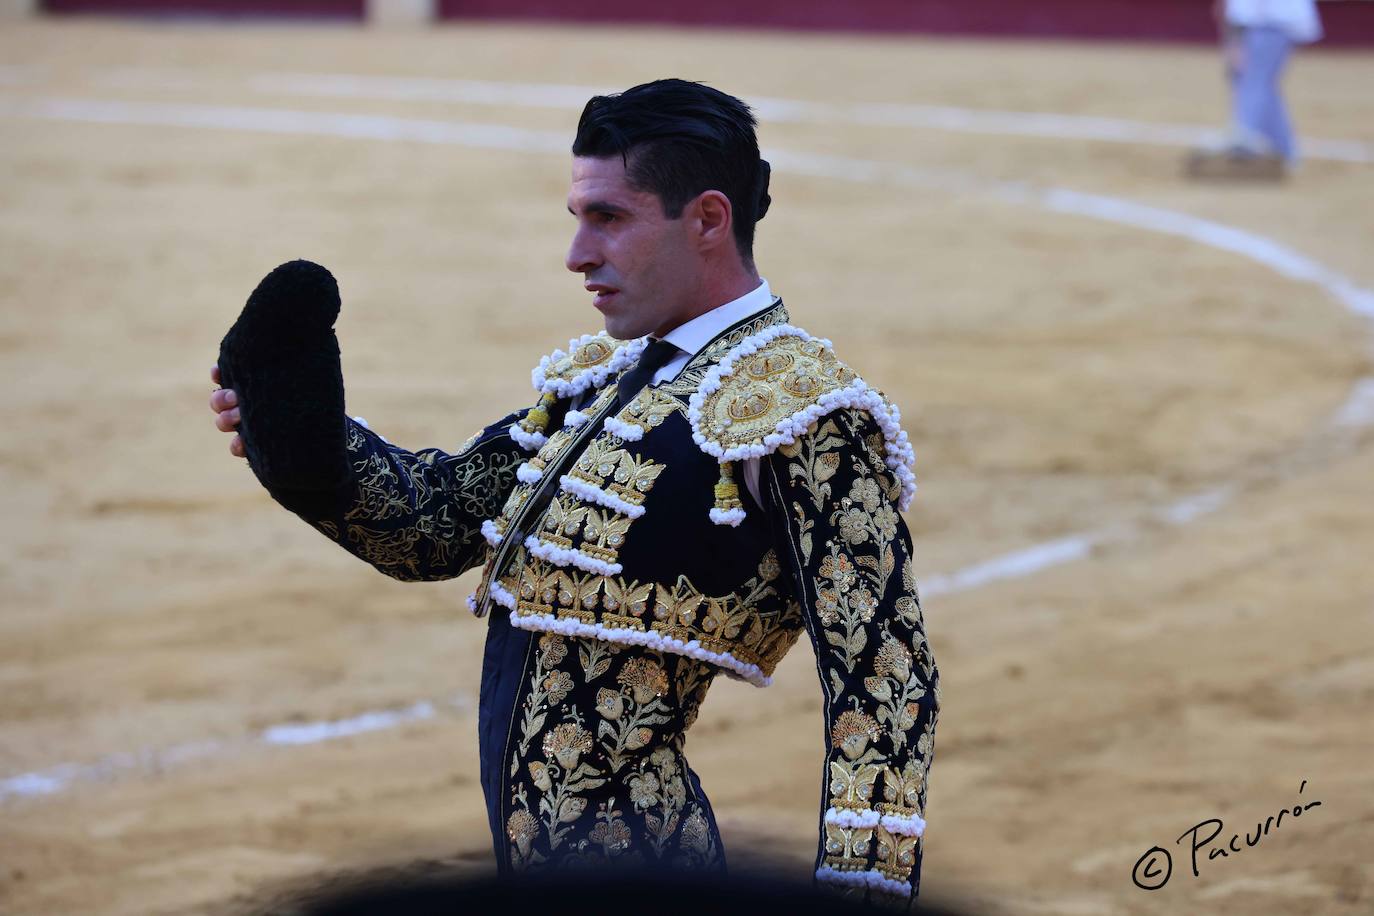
(623, 329)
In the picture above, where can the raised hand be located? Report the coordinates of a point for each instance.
(280, 365)
(224, 402)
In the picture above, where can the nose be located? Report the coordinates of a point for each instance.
(583, 256)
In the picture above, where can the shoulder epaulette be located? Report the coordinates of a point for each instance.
(772, 387)
(587, 363)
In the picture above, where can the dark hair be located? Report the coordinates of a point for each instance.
(678, 139)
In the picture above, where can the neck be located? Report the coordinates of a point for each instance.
(718, 287)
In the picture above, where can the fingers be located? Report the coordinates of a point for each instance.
(223, 399)
(227, 421)
(224, 403)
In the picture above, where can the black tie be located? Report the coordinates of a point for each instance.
(655, 356)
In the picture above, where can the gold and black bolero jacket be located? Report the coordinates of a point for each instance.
(626, 523)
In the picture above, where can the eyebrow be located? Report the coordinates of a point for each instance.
(602, 206)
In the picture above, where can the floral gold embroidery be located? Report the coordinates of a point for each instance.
(567, 743)
(852, 733)
(880, 677)
(645, 678)
(612, 782)
(417, 516)
(522, 828)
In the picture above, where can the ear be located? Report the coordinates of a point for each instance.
(712, 220)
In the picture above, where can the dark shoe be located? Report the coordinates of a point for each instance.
(1235, 163)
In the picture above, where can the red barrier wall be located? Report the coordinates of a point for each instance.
(294, 9)
(1348, 22)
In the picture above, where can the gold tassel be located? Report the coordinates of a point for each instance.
(537, 420)
(727, 492)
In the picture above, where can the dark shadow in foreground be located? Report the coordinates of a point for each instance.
(393, 894)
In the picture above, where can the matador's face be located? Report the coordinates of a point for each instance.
(642, 268)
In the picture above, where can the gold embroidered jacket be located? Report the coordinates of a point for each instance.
(624, 524)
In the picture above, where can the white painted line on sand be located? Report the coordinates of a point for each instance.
(1032, 124)
(1012, 565)
(1267, 252)
(1358, 408)
(315, 732)
(56, 779)
(1047, 125)
(1039, 557)
(1274, 255)
(290, 122)
(1193, 507)
(1262, 250)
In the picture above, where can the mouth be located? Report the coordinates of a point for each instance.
(602, 294)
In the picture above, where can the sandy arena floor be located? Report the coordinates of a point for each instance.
(1065, 379)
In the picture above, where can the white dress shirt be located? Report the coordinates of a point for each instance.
(1297, 18)
(694, 335)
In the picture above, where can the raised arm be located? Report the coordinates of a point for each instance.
(834, 502)
(417, 516)
(412, 515)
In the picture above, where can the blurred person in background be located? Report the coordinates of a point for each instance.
(1258, 37)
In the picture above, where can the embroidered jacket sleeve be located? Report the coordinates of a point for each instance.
(835, 502)
(417, 516)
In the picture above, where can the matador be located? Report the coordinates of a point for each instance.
(689, 491)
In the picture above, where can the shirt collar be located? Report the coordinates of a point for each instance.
(692, 336)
